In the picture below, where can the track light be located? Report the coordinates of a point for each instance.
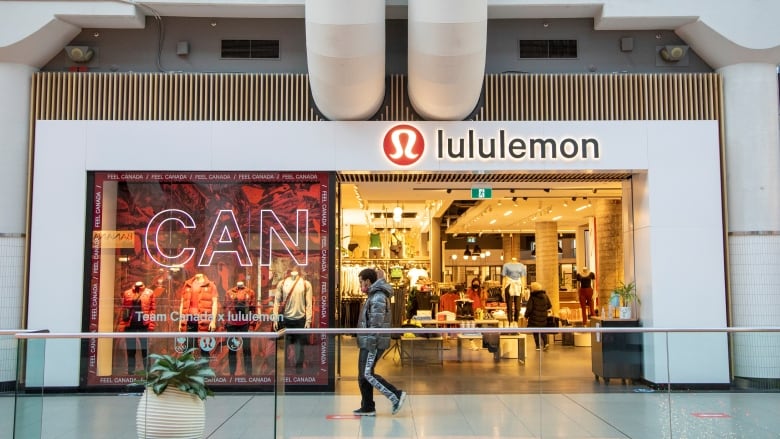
(449, 191)
(547, 190)
(466, 253)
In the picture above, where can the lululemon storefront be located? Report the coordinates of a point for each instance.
(256, 202)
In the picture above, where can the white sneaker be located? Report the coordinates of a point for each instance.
(401, 400)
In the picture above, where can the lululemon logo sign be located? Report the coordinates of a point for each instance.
(404, 145)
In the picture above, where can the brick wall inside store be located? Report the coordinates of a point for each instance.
(547, 260)
(609, 246)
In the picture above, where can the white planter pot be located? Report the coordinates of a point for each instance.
(173, 414)
(625, 312)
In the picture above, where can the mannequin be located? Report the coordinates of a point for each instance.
(137, 315)
(240, 309)
(514, 274)
(292, 304)
(199, 306)
(585, 278)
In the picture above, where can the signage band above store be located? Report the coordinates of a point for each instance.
(405, 144)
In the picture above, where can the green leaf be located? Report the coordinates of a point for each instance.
(185, 372)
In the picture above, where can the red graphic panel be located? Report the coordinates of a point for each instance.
(196, 252)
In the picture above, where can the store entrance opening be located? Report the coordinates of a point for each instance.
(477, 241)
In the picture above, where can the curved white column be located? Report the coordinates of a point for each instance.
(14, 123)
(752, 146)
(753, 188)
(345, 50)
(447, 47)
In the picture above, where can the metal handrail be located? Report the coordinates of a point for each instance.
(26, 334)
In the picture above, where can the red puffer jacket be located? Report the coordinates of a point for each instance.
(128, 313)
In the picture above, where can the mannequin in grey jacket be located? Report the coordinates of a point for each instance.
(375, 313)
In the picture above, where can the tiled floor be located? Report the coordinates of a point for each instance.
(477, 398)
(628, 415)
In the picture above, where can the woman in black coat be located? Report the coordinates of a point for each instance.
(536, 313)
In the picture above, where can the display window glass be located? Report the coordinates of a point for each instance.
(203, 252)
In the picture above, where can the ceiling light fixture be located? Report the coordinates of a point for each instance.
(79, 54)
(398, 213)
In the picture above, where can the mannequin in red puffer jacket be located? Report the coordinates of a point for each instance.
(137, 315)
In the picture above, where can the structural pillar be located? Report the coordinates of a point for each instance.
(609, 248)
(14, 124)
(547, 271)
(753, 198)
(510, 245)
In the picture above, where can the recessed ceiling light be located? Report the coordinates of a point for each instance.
(507, 213)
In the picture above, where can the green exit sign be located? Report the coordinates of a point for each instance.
(481, 193)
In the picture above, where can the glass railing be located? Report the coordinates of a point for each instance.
(606, 382)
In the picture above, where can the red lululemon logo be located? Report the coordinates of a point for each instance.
(404, 145)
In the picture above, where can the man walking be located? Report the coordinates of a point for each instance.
(375, 313)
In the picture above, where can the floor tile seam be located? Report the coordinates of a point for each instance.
(228, 418)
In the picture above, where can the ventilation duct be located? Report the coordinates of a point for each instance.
(447, 45)
(345, 49)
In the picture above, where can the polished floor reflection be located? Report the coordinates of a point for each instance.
(553, 394)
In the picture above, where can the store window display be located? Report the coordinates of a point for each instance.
(293, 309)
(138, 314)
(193, 238)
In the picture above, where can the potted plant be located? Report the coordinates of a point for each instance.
(174, 408)
(627, 294)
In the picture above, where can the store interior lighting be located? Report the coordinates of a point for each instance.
(398, 213)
